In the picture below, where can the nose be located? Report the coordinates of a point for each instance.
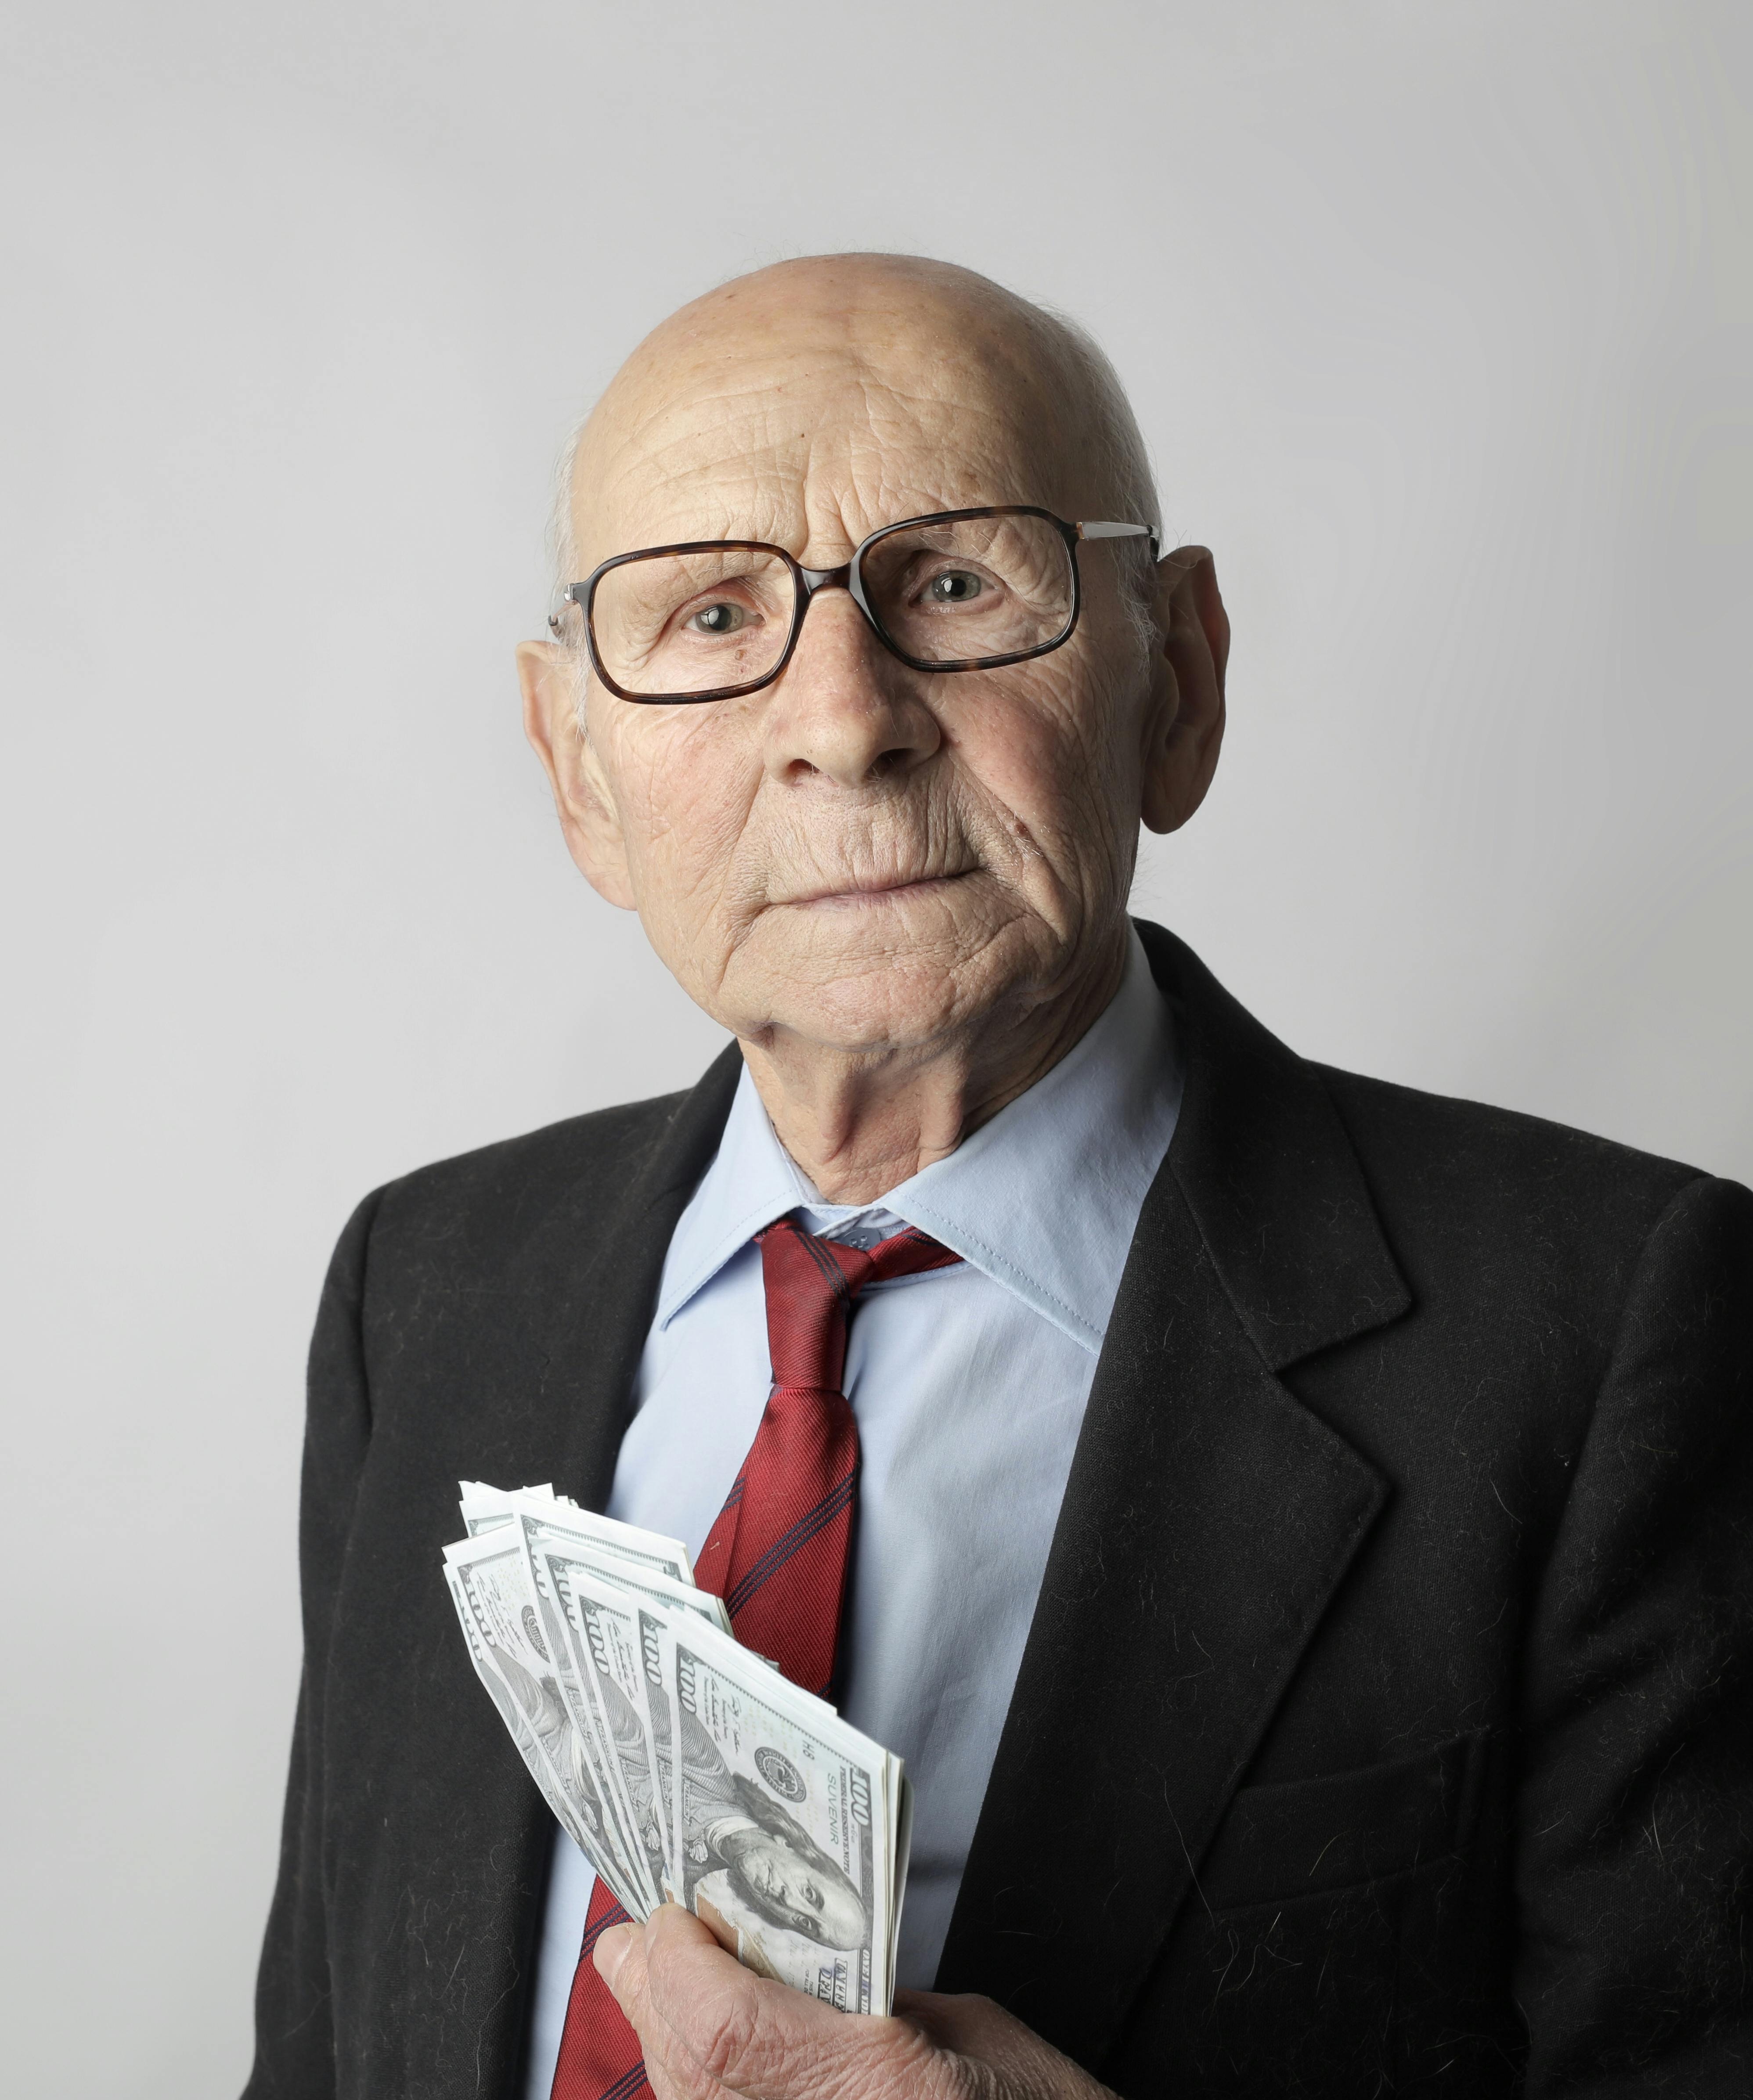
(844, 709)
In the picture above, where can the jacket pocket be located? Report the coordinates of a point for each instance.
(1306, 1838)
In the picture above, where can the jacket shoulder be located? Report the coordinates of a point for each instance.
(1444, 1128)
(1460, 1187)
(1503, 1184)
(480, 1210)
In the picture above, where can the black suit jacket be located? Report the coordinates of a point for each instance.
(1385, 1724)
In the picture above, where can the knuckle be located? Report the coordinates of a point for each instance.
(970, 2078)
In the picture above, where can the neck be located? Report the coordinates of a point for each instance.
(860, 1122)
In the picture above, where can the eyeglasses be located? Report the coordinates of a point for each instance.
(960, 590)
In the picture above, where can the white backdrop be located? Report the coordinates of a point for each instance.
(1437, 317)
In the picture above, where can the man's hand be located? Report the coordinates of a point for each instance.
(709, 2030)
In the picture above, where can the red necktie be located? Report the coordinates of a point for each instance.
(777, 1553)
(599, 2056)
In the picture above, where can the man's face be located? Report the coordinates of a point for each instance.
(861, 854)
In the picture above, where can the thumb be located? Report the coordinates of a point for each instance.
(708, 2027)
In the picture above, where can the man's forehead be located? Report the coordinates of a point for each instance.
(810, 432)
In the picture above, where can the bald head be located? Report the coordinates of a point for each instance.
(831, 362)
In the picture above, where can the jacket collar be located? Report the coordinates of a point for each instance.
(1232, 1509)
(1269, 1177)
(610, 1298)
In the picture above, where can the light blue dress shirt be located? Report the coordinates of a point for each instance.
(969, 1386)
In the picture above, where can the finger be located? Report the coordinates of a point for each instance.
(619, 1955)
(956, 2020)
(612, 1948)
(702, 1980)
(973, 2031)
(708, 2027)
(970, 2025)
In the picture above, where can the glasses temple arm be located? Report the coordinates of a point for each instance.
(1107, 529)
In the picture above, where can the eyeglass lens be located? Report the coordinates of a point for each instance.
(970, 590)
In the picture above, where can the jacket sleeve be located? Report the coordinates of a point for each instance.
(295, 2055)
(1635, 1879)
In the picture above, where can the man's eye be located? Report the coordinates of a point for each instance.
(810, 1894)
(954, 587)
(717, 619)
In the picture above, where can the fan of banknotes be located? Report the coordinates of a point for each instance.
(688, 1769)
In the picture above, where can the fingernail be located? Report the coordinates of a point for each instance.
(612, 1950)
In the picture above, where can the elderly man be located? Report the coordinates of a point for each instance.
(1297, 1531)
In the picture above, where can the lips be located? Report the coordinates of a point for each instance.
(869, 890)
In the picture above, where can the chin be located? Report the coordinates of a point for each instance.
(887, 1005)
(889, 979)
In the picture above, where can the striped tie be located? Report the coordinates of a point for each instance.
(778, 1553)
(599, 2056)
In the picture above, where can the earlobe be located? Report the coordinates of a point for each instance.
(589, 822)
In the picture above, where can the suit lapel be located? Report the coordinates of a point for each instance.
(1208, 1519)
(608, 1304)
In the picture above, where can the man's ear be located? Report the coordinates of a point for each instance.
(588, 818)
(1185, 729)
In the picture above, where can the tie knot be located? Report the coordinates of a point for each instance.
(811, 1283)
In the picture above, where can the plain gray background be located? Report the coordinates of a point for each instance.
(1437, 318)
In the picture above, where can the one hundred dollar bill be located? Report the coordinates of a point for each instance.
(557, 1566)
(579, 1810)
(493, 1577)
(605, 1619)
(785, 1822)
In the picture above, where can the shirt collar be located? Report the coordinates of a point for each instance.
(1043, 1199)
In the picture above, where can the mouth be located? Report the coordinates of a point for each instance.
(880, 889)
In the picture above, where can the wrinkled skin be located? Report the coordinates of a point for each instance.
(904, 892)
(710, 2030)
